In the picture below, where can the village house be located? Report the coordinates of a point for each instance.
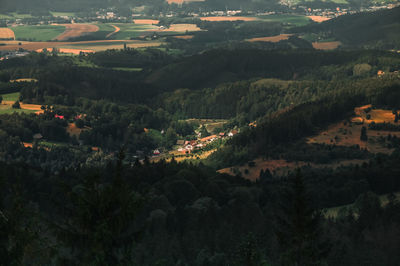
(232, 133)
(209, 138)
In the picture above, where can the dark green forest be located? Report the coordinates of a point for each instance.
(101, 195)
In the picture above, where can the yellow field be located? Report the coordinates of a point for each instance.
(7, 34)
(146, 21)
(76, 30)
(31, 107)
(276, 38)
(318, 18)
(326, 45)
(184, 37)
(67, 51)
(24, 80)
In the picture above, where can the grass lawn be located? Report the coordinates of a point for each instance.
(5, 109)
(37, 33)
(11, 96)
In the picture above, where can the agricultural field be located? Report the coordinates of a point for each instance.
(116, 29)
(296, 2)
(210, 124)
(287, 20)
(146, 21)
(180, 28)
(24, 80)
(76, 30)
(84, 46)
(62, 14)
(6, 34)
(179, 2)
(105, 45)
(10, 98)
(14, 15)
(277, 38)
(130, 69)
(326, 45)
(318, 18)
(38, 33)
(128, 31)
(228, 18)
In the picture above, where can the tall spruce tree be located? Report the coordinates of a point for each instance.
(298, 226)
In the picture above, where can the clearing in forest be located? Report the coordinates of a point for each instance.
(348, 132)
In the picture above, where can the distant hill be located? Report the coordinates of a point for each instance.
(380, 29)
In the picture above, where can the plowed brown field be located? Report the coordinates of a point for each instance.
(7, 34)
(76, 30)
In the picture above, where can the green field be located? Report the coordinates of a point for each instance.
(131, 30)
(288, 20)
(14, 15)
(7, 109)
(132, 69)
(62, 14)
(37, 33)
(93, 44)
(101, 34)
(11, 96)
(5, 16)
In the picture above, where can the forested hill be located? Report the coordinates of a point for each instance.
(217, 66)
(371, 30)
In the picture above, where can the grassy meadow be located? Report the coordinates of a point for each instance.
(37, 33)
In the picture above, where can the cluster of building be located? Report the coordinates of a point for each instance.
(12, 54)
(189, 146)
